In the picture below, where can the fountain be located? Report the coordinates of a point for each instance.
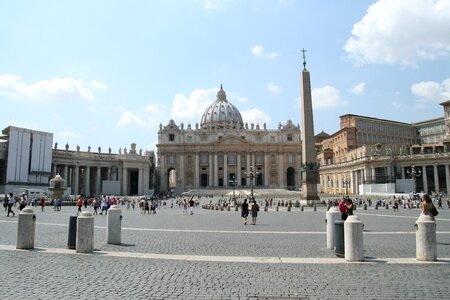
(57, 187)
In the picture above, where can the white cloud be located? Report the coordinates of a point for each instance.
(99, 85)
(154, 108)
(401, 31)
(273, 88)
(192, 107)
(258, 51)
(213, 4)
(358, 89)
(255, 116)
(431, 91)
(57, 88)
(66, 134)
(131, 119)
(326, 97)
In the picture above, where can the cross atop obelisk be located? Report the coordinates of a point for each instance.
(309, 165)
(304, 58)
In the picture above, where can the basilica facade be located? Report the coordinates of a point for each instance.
(223, 151)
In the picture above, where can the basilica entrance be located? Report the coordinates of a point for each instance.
(203, 180)
(290, 178)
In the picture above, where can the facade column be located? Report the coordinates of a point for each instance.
(109, 174)
(225, 170)
(216, 170)
(76, 175)
(402, 170)
(436, 179)
(124, 181)
(54, 170)
(334, 183)
(196, 170)
(267, 171)
(98, 181)
(238, 173)
(211, 170)
(280, 171)
(372, 169)
(180, 172)
(425, 179)
(352, 183)
(447, 177)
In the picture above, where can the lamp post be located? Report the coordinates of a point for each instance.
(233, 183)
(414, 174)
(251, 175)
(346, 182)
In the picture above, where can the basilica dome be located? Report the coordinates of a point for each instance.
(221, 114)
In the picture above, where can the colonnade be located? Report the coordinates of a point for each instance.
(350, 179)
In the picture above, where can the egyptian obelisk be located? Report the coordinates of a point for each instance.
(309, 166)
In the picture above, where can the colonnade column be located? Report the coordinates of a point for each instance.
(141, 181)
(225, 170)
(211, 171)
(76, 180)
(98, 181)
(124, 180)
(87, 177)
(447, 176)
(425, 179)
(436, 178)
(65, 175)
(402, 172)
(54, 170)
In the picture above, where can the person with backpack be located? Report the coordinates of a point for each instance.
(255, 209)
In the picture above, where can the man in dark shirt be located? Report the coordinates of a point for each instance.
(244, 211)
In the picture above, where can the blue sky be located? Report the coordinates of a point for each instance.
(107, 73)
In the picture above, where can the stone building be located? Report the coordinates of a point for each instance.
(27, 160)
(370, 155)
(222, 150)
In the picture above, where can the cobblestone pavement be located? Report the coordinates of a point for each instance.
(148, 265)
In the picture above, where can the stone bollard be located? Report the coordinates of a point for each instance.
(314, 207)
(85, 233)
(114, 226)
(332, 215)
(72, 236)
(25, 229)
(425, 238)
(353, 239)
(365, 206)
(339, 246)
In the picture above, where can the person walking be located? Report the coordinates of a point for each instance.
(244, 211)
(79, 204)
(255, 209)
(191, 205)
(11, 202)
(42, 203)
(343, 209)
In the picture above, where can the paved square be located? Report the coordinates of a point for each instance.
(212, 255)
